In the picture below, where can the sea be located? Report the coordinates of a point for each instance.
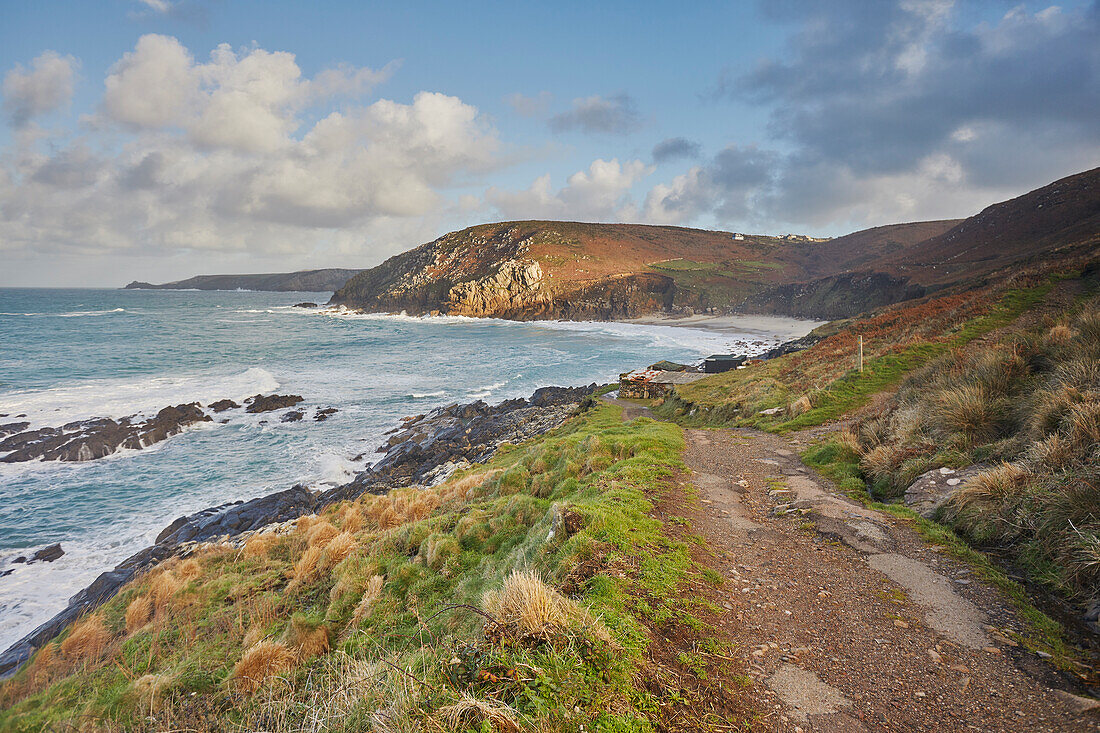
(74, 354)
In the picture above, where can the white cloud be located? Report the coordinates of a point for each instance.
(221, 156)
(160, 6)
(152, 86)
(601, 193)
(43, 88)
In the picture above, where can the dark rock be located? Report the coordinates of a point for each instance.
(48, 554)
(20, 559)
(305, 305)
(267, 403)
(292, 416)
(323, 414)
(12, 428)
(223, 405)
(86, 440)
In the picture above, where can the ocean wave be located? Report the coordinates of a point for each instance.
(427, 395)
(118, 398)
(69, 314)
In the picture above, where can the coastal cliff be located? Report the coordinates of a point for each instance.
(530, 270)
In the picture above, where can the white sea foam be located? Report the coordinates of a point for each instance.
(69, 314)
(116, 398)
(427, 395)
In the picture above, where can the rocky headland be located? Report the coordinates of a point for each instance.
(314, 281)
(529, 270)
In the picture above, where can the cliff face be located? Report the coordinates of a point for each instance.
(497, 271)
(837, 296)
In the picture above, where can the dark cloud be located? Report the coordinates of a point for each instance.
(878, 87)
(675, 148)
(617, 115)
(894, 109)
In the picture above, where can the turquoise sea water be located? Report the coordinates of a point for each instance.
(72, 354)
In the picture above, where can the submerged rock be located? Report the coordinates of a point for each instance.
(292, 416)
(48, 553)
(268, 403)
(324, 413)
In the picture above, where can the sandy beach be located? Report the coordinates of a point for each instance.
(779, 327)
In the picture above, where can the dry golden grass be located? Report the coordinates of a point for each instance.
(252, 636)
(969, 410)
(352, 519)
(189, 569)
(260, 662)
(163, 587)
(469, 712)
(370, 595)
(138, 613)
(1059, 335)
(530, 608)
(308, 564)
(321, 533)
(258, 545)
(305, 640)
(87, 640)
(993, 488)
(800, 406)
(338, 548)
(148, 688)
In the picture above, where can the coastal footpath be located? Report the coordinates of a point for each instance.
(628, 570)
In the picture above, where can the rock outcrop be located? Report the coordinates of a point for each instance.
(87, 440)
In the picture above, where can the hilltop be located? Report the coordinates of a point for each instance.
(315, 281)
(540, 269)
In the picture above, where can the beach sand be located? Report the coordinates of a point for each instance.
(770, 327)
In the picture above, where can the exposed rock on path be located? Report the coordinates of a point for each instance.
(848, 620)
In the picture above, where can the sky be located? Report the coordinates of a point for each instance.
(160, 139)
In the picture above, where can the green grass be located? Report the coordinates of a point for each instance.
(736, 398)
(620, 563)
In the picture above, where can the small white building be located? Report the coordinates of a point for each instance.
(738, 236)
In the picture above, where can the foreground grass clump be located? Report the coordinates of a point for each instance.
(823, 382)
(519, 595)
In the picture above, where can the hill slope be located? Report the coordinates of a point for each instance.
(538, 269)
(304, 280)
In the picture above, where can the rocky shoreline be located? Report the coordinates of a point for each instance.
(423, 450)
(87, 440)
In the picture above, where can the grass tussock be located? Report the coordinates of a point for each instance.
(1028, 405)
(468, 712)
(87, 640)
(138, 613)
(260, 662)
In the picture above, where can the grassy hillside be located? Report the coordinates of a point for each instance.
(523, 593)
(1004, 378)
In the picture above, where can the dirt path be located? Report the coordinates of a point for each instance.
(851, 622)
(849, 619)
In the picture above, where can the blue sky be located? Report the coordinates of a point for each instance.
(160, 139)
